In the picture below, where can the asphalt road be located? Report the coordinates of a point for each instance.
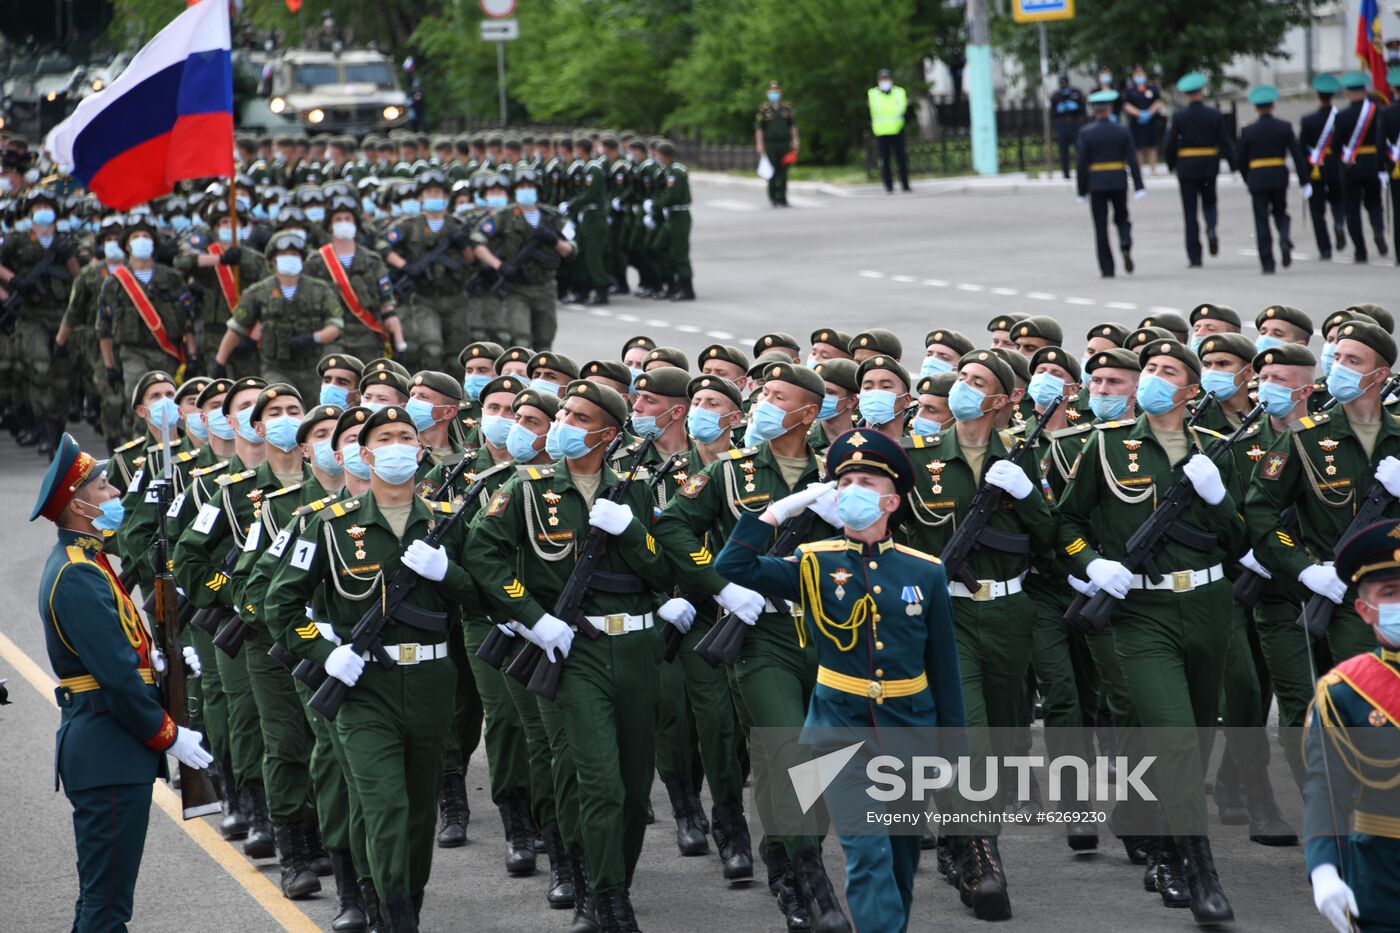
(952, 254)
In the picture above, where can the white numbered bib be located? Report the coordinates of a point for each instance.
(136, 478)
(279, 543)
(204, 521)
(303, 554)
(250, 543)
(174, 510)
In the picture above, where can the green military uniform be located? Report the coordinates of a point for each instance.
(312, 306)
(88, 369)
(529, 316)
(436, 322)
(673, 201)
(588, 207)
(369, 279)
(775, 121)
(136, 350)
(641, 242)
(141, 524)
(47, 380)
(217, 289)
(619, 221)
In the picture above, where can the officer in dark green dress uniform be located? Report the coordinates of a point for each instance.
(113, 735)
(1350, 811)
(880, 618)
(775, 135)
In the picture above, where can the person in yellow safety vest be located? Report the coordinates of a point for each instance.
(887, 106)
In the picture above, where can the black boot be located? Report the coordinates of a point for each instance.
(690, 838)
(984, 880)
(585, 911)
(234, 824)
(520, 845)
(684, 291)
(821, 898)
(46, 430)
(1208, 902)
(452, 806)
(1339, 234)
(398, 915)
(1152, 849)
(1171, 875)
(373, 919)
(666, 289)
(599, 296)
(1034, 804)
(561, 875)
(349, 901)
(783, 884)
(949, 849)
(615, 914)
(259, 843)
(316, 855)
(731, 832)
(25, 433)
(1082, 837)
(1229, 795)
(1266, 823)
(298, 880)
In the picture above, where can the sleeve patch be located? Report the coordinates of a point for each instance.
(1273, 466)
(694, 485)
(498, 503)
(1284, 538)
(702, 557)
(514, 589)
(1075, 546)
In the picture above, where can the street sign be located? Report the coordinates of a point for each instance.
(1038, 11)
(497, 9)
(500, 30)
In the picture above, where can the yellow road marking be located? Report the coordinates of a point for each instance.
(238, 867)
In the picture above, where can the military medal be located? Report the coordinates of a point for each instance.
(935, 467)
(357, 533)
(913, 598)
(553, 516)
(680, 476)
(551, 497)
(839, 576)
(749, 468)
(1331, 467)
(1376, 717)
(1328, 444)
(1255, 453)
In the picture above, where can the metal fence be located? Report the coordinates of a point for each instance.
(697, 151)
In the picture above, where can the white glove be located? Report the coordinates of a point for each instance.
(1139, 194)
(192, 660)
(157, 660)
(1080, 199)
(188, 751)
(523, 631)
(742, 601)
(427, 561)
(1307, 192)
(1082, 587)
(1110, 576)
(617, 204)
(788, 506)
(564, 206)
(553, 635)
(679, 612)
(612, 517)
(1388, 475)
(345, 665)
(506, 630)
(401, 346)
(1009, 478)
(825, 504)
(1324, 582)
(1333, 897)
(1251, 562)
(646, 205)
(1384, 179)
(648, 222)
(1205, 478)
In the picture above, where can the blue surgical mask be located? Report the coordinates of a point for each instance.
(142, 247)
(245, 427)
(219, 425)
(551, 442)
(179, 223)
(813, 362)
(573, 441)
(704, 425)
(965, 401)
(1329, 356)
(369, 206)
(925, 427)
(496, 429)
(932, 366)
(1344, 383)
(354, 463)
(323, 455)
(395, 464)
(1196, 345)
(435, 205)
(1387, 626)
(1108, 407)
(520, 442)
(1155, 395)
(260, 212)
(421, 412)
(1265, 342)
(113, 511)
(858, 507)
(828, 410)
(163, 414)
(646, 426)
(1277, 400)
(474, 383)
(225, 234)
(545, 387)
(196, 427)
(527, 197)
(315, 214)
(765, 423)
(632, 386)
(775, 96)
(1220, 384)
(1139, 80)
(877, 406)
(410, 207)
(282, 432)
(43, 217)
(338, 396)
(113, 252)
(497, 201)
(1044, 388)
(373, 406)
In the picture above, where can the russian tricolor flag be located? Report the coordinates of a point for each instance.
(167, 117)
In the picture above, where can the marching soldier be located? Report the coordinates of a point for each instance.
(78, 328)
(1208, 319)
(774, 136)
(361, 280)
(1263, 147)
(1389, 140)
(1105, 150)
(221, 270)
(1358, 135)
(1196, 142)
(588, 209)
(673, 200)
(1317, 133)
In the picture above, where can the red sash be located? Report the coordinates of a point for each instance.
(1376, 682)
(1358, 137)
(347, 291)
(149, 316)
(227, 284)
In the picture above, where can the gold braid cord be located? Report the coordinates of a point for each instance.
(1351, 757)
(811, 583)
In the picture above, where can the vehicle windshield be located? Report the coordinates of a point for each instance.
(380, 74)
(377, 73)
(312, 75)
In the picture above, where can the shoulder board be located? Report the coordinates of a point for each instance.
(818, 547)
(1207, 431)
(1254, 429)
(315, 506)
(920, 441)
(138, 461)
(134, 442)
(108, 534)
(1009, 436)
(1312, 421)
(493, 470)
(739, 453)
(341, 509)
(187, 456)
(1106, 425)
(527, 472)
(229, 479)
(1070, 432)
(443, 506)
(915, 552)
(626, 451)
(211, 468)
(283, 491)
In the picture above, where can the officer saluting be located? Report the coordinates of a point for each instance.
(1347, 747)
(1196, 142)
(1263, 146)
(1105, 150)
(900, 656)
(113, 733)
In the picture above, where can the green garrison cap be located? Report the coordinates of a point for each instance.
(725, 354)
(642, 340)
(340, 361)
(1286, 354)
(1059, 357)
(887, 363)
(1372, 336)
(1112, 330)
(1173, 348)
(800, 376)
(1117, 358)
(512, 384)
(608, 399)
(350, 418)
(774, 341)
(939, 384)
(1263, 95)
(1376, 313)
(278, 390)
(958, 343)
(384, 363)
(190, 387)
(880, 340)
(1354, 80)
(481, 349)
(514, 355)
(1020, 366)
(1040, 326)
(147, 380)
(993, 361)
(212, 390)
(607, 369)
(441, 383)
(549, 404)
(1191, 83)
(385, 377)
(670, 356)
(716, 384)
(248, 382)
(548, 359)
(839, 372)
(1005, 321)
(1234, 344)
(1373, 553)
(666, 381)
(1288, 314)
(1103, 98)
(866, 450)
(1143, 335)
(1168, 321)
(1336, 319)
(314, 417)
(1326, 84)
(1214, 312)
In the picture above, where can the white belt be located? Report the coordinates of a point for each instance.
(987, 590)
(621, 623)
(1179, 581)
(410, 653)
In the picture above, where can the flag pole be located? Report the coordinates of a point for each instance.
(233, 222)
